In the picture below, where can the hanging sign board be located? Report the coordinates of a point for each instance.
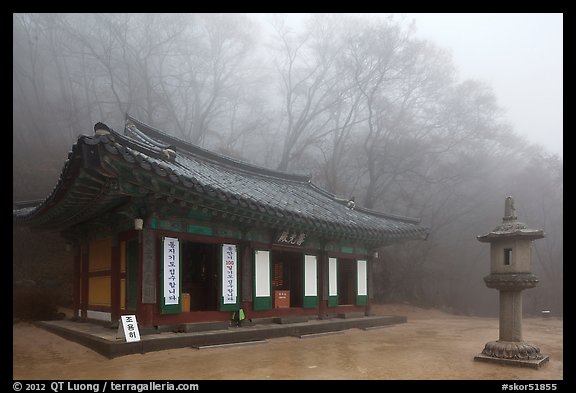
(229, 267)
(290, 238)
(171, 271)
(128, 328)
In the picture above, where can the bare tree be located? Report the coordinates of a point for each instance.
(124, 53)
(37, 97)
(310, 85)
(206, 76)
(360, 102)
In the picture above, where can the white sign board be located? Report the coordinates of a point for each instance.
(262, 273)
(229, 263)
(171, 271)
(128, 328)
(310, 277)
(362, 278)
(332, 277)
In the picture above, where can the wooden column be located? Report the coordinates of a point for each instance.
(147, 276)
(76, 282)
(246, 280)
(84, 278)
(115, 286)
(370, 260)
(322, 284)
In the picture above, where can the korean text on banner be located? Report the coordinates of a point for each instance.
(229, 267)
(171, 271)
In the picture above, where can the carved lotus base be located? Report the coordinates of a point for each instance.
(514, 353)
(511, 281)
(512, 350)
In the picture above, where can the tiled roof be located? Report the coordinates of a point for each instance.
(285, 197)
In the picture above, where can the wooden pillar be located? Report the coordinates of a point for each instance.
(76, 280)
(322, 284)
(246, 276)
(370, 283)
(148, 268)
(84, 278)
(115, 275)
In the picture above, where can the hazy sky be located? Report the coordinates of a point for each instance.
(519, 55)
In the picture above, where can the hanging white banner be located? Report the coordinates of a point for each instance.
(262, 273)
(332, 277)
(171, 270)
(229, 267)
(310, 277)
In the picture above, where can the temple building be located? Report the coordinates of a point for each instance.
(174, 234)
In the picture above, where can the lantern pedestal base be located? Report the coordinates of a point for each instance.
(521, 354)
(513, 362)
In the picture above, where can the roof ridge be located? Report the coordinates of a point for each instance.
(273, 199)
(27, 203)
(378, 213)
(172, 141)
(153, 133)
(411, 220)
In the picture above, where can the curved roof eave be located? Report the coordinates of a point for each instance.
(269, 192)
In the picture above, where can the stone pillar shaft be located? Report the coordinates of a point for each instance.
(511, 316)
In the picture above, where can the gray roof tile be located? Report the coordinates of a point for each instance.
(276, 195)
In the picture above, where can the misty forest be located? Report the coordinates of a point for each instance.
(362, 105)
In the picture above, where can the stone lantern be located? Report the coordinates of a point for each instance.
(510, 273)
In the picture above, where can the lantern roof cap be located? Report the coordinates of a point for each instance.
(511, 227)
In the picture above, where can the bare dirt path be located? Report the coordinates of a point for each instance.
(432, 345)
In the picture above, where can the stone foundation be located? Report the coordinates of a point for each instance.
(512, 353)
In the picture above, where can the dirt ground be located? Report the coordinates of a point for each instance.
(432, 345)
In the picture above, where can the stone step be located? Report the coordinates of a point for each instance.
(198, 327)
(312, 335)
(354, 314)
(232, 344)
(375, 327)
(291, 319)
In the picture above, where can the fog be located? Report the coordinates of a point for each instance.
(364, 104)
(519, 54)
